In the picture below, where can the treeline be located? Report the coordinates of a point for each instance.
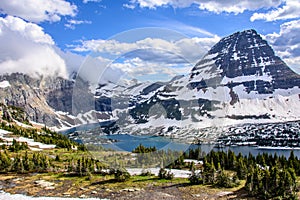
(16, 146)
(267, 176)
(44, 135)
(37, 162)
(230, 161)
(85, 166)
(143, 149)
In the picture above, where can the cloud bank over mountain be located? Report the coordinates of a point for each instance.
(26, 48)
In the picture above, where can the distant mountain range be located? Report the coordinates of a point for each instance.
(240, 80)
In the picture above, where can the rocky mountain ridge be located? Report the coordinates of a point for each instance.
(240, 80)
(40, 97)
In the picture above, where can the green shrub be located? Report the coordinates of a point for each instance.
(121, 175)
(164, 174)
(146, 172)
(196, 178)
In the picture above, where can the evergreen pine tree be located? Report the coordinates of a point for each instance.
(27, 163)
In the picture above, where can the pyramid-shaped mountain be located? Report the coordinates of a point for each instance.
(245, 58)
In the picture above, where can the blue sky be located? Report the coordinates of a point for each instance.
(103, 19)
(53, 37)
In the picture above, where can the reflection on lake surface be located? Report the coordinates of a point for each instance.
(129, 142)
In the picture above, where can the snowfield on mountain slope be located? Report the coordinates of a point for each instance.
(278, 109)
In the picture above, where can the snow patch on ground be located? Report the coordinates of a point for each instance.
(4, 84)
(3, 132)
(30, 142)
(36, 146)
(177, 172)
(7, 196)
(22, 124)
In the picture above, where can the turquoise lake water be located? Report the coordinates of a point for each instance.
(129, 142)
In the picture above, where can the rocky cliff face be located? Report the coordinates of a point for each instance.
(24, 92)
(40, 97)
(54, 101)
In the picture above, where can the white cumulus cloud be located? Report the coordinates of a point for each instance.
(148, 58)
(38, 10)
(290, 10)
(94, 1)
(152, 49)
(216, 6)
(286, 43)
(26, 48)
(136, 68)
(72, 23)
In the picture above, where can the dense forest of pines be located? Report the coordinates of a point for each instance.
(37, 162)
(266, 176)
